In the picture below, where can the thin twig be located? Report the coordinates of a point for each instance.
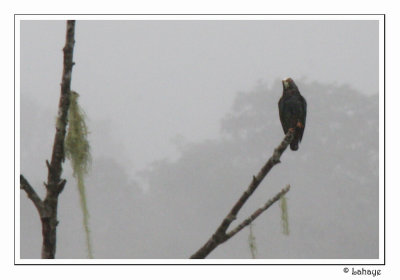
(220, 234)
(24, 185)
(258, 212)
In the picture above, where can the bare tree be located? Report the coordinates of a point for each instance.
(47, 208)
(221, 235)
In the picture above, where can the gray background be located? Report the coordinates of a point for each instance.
(183, 113)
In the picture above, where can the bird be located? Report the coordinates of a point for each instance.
(292, 111)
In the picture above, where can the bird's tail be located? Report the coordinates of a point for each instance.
(294, 146)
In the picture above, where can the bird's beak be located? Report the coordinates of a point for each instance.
(285, 84)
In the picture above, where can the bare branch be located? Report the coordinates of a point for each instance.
(273, 160)
(57, 157)
(55, 184)
(220, 234)
(258, 212)
(24, 185)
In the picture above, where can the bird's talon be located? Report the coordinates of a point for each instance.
(300, 125)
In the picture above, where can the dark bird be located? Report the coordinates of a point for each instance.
(292, 111)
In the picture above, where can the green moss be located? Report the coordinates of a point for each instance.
(284, 215)
(82, 196)
(77, 150)
(252, 242)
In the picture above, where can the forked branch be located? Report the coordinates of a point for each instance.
(221, 235)
(258, 212)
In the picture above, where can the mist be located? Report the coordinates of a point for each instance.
(182, 114)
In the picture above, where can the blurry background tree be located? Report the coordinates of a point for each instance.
(333, 203)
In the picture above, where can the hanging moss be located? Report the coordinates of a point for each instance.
(77, 150)
(284, 215)
(252, 242)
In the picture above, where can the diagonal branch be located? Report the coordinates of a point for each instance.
(258, 212)
(273, 160)
(24, 185)
(220, 234)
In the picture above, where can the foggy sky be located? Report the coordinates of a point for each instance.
(180, 70)
(150, 87)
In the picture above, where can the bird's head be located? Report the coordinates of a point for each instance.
(288, 83)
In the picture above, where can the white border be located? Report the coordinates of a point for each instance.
(381, 138)
(17, 141)
(198, 17)
(380, 18)
(206, 261)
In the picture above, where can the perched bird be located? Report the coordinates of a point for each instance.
(292, 111)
